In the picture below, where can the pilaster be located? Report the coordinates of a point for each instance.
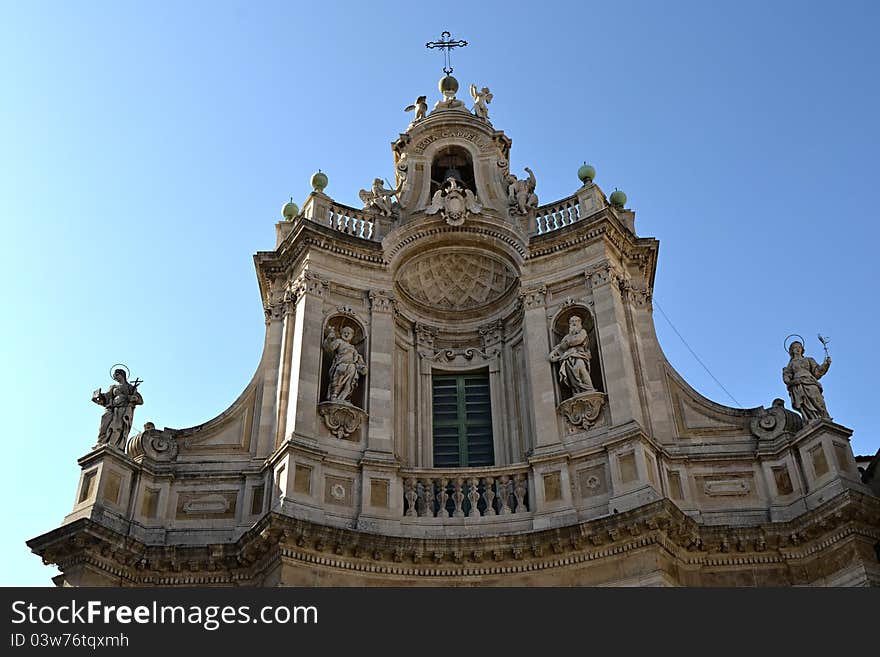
(381, 376)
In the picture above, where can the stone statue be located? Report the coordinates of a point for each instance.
(379, 198)
(119, 401)
(347, 366)
(801, 377)
(521, 193)
(420, 107)
(573, 355)
(481, 99)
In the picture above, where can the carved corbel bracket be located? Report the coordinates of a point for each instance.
(341, 419)
(534, 297)
(582, 411)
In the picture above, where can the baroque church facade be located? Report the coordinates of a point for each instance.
(462, 386)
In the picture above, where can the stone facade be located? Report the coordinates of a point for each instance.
(607, 467)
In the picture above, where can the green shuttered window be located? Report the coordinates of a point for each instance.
(462, 420)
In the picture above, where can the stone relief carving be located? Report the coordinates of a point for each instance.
(533, 297)
(119, 402)
(420, 107)
(770, 423)
(481, 99)
(381, 301)
(456, 280)
(521, 195)
(378, 199)
(583, 410)
(454, 203)
(801, 377)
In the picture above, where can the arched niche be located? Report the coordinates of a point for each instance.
(559, 329)
(452, 161)
(338, 322)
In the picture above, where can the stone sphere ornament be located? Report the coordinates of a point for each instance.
(618, 199)
(289, 210)
(319, 181)
(448, 87)
(586, 173)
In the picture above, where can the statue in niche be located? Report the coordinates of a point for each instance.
(119, 402)
(801, 377)
(347, 366)
(420, 107)
(481, 99)
(573, 355)
(521, 195)
(378, 198)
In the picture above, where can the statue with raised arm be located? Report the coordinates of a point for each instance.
(481, 99)
(347, 366)
(119, 402)
(379, 199)
(573, 355)
(801, 377)
(521, 195)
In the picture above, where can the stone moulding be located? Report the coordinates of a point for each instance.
(342, 419)
(582, 411)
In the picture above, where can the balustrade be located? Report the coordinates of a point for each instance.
(557, 215)
(350, 221)
(465, 493)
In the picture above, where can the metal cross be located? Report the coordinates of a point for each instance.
(446, 44)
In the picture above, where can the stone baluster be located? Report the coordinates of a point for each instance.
(519, 491)
(428, 497)
(442, 496)
(489, 496)
(411, 496)
(458, 497)
(504, 495)
(474, 496)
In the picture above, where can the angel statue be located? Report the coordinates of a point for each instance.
(521, 195)
(573, 355)
(481, 99)
(119, 400)
(420, 107)
(379, 198)
(454, 203)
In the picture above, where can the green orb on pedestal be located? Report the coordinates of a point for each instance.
(586, 173)
(618, 199)
(319, 181)
(289, 210)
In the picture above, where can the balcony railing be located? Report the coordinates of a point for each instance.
(466, 492)
(557, 215)
(349, 220)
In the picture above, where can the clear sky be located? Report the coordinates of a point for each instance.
(146, 150)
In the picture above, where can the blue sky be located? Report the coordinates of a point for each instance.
(146, 150)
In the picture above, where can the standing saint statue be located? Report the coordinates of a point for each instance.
(573, 355)
(801, 377)
(119, 400)
(347, 366)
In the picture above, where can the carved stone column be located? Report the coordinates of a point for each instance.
(544, 423)
(425, 348)
(615, 344)
(381, 376)
(271, 369)
(305, 356)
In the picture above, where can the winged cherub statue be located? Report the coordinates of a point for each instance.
(521, 195)
(420, 107)
(481, 99)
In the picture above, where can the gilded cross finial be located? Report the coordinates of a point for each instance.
(446, 44)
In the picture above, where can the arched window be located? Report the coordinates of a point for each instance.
(452, 162)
